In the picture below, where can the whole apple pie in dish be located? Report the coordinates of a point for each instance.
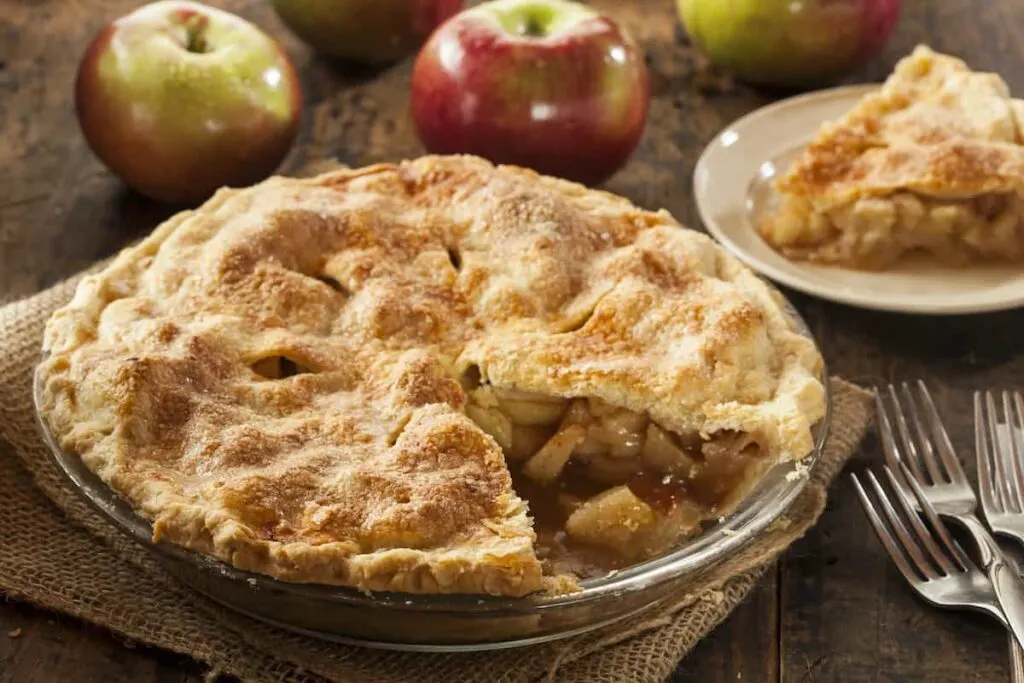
(931, 163)
(437, 376)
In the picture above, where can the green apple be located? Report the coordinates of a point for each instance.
(787, 42)
(180, 99)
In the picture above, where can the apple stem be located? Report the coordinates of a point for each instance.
(531, 27)
(195, 30)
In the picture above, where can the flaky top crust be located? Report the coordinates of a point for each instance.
(935, 128)
(386, 285)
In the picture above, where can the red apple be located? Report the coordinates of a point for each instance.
(786, 43)
(180, 99)
(547, 84)
(369, 31)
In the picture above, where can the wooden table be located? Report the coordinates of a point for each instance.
(833, 610)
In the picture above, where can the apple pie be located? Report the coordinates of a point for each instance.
(436, 376)
(932, 163)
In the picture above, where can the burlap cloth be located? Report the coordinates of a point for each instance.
(57, 553)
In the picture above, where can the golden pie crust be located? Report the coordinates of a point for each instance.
(273, 379)
(932, 162)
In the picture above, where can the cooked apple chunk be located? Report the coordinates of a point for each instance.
(665, 453)
(612, 519)
(494, 422)
(547, 463)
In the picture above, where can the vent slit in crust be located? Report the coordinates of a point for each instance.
(396, 433)
(279, 367)
(455, 258)
(333, 283)
(578, 325)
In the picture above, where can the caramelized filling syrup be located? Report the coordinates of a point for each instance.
(708, 487)
(716, 470)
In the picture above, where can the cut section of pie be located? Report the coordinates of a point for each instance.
(438, 376)
(931, 163)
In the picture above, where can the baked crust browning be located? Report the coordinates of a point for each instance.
(276, 378)
(936, 136)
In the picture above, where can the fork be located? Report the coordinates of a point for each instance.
(1002, 495)
(933, 469)
(1000, 470)
(930, 560)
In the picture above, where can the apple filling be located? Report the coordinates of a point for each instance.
(873, 232)
(608, 486)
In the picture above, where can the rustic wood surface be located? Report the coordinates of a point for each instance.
(834, 609)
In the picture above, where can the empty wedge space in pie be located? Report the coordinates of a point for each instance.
(932, 164)
(434, 376)
(608, 485)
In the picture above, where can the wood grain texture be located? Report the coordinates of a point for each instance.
(36, 647)
(745, 647)
(834, 610)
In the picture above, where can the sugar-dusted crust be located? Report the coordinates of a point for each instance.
(386, 284)
(935, 128)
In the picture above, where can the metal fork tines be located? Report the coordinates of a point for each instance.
(927, 556)
(1000, 452)
(925, 448)
(920, 451)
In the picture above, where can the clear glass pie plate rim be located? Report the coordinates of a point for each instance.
(758, 510)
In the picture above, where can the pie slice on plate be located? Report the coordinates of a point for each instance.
(438, 376)
(932, 163)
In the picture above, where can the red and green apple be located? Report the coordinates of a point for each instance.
(552, 85)
(179, 99)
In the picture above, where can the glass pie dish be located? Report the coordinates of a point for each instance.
(457, 622)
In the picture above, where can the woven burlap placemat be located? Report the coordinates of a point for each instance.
(58, 553)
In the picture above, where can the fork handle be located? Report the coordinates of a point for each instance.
(1010, 592)
(1016, 660)
(1008, 585)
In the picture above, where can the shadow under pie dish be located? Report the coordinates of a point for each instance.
(438, 377)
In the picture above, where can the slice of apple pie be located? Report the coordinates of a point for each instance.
(438, 376)
(931, 163)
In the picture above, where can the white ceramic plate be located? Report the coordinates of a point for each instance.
(733, 183)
